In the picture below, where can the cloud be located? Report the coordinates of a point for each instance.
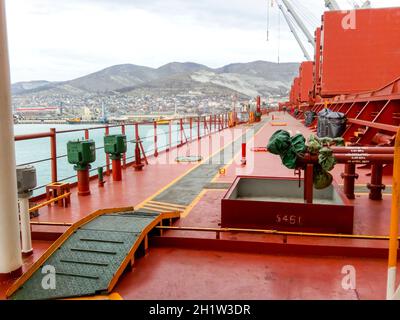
(60, 40)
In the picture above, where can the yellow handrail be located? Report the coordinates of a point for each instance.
(278, 233)
(43, 204)
(394, 222)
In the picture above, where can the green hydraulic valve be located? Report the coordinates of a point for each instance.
(115, 146)
(81, 153)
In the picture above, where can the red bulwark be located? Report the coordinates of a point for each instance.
(296, 90)
(306, 80)
(365, 55)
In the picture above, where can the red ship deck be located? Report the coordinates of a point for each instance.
(194, 265)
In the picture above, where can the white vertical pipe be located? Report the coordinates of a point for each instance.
(25, 225)
(10, 250)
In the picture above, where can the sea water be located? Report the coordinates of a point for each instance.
(30, 151)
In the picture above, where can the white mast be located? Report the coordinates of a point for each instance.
(10, 244)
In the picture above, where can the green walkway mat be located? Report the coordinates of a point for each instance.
(87, 262)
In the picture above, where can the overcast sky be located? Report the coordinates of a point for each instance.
(61, 40)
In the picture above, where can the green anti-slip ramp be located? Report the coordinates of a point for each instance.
(90, 257)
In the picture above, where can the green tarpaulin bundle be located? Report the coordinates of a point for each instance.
(291, 148)
(322, 179)
(287, 147)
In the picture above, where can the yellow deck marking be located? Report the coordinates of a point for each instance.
(367, 193)
(150, 203)
(162, 209)
(363, 185)
(152, 209)
(168, 204)
(391, 291)
(112, 296)
(193, 204)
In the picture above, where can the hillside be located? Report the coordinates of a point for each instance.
(250, 79)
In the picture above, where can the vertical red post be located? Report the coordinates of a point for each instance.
(215, 123)
(258, 104)
(308, 184)
(155, 140)
(137, 132)
(198, 128)
(116, 170)
(107, 156)
(170, 136)
(86, 134)
(138, 165)
(181, 125)
(349, 176)
(123, 131)
(244, 147)
(53, 151)
(376, 186)
(210, 124)
(191, 128)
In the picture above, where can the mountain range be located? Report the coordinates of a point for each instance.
(249, 79)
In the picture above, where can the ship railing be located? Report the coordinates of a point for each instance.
(156, 138)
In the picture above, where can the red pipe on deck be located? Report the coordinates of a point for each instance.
(244, 160)
(116, 170)
(363, 150)
(363, 158)
(83, 182)
(349, 176)
(308, 185)
(376, 186)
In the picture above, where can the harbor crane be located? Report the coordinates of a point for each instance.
(332, 5)
(299, 22)
(295, 34)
